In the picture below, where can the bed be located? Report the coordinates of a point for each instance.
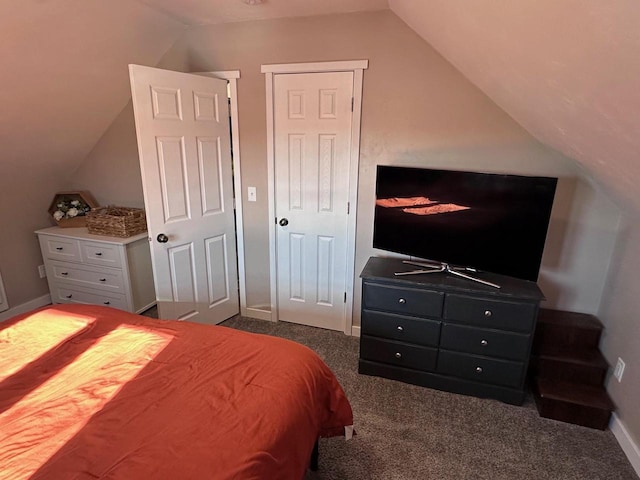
(93, 392)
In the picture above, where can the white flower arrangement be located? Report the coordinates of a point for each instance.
(70, 208)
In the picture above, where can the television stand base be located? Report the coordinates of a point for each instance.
(437, 267)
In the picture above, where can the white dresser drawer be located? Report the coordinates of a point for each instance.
(102, 254)
(86, 268)
(107, 279)
(70, 294)
(60, 248)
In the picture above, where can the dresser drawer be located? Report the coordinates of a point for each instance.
(398, 353)
(69, 294)
(102, 254)
(404, 301)
(60, 248)
(398, 327)
(481, 369)
(481, 341)
(490, 313)
(88, 276)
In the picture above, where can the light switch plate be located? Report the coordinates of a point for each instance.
(251, 194)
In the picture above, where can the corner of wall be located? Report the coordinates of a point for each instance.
(26, 307)
(627, 443)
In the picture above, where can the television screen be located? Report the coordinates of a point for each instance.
(491, 222)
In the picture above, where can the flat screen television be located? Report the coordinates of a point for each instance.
(490, 222)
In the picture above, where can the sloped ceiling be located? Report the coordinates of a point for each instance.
(213, 12)
(568, 71)
(64, 75)
(64, 66)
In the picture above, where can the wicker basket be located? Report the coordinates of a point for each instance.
(116, 221)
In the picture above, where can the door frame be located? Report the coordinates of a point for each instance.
(357, 67)
(232, 77)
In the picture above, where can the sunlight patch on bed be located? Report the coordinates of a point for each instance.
(34, 336)
(43, 421)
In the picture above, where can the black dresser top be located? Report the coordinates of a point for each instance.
(382, 270)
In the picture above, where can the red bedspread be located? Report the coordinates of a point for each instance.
(90, 392)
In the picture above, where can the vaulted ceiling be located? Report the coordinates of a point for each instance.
(64, 76)
(213, 12)
(566, 71)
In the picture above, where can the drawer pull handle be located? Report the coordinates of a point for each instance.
(479, 369)
(103, 279)
(402, 300)
(107, 303)
(400, 328)
(59, 249)
(487, 313)
(398, 355)
(98, 254)
(484, 343)
(68, 296)
(64, 273)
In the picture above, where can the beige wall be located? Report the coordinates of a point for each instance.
(619, 313)
(567, 71)
(25, 196)
(64, 79)
(417, 111)
(111, 171)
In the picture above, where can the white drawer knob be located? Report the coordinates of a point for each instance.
(484, 343)
(402, 300)
(487, 313)
(400, 328)
(479, 369)
(398, 355)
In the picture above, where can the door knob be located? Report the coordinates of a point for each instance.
(162, 238)
(284, 222)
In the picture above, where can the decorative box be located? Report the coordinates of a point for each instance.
(69, 209)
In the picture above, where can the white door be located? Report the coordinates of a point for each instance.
(312, 147)
(182, 124)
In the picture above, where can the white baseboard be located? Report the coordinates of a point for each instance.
(628, 445)
(355, 330)
(256, 312)
(26, 307)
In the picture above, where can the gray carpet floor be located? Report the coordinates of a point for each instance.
(405, 432)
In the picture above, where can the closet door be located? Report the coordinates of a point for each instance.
(312, 142)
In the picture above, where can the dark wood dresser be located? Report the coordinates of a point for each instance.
(440, 331)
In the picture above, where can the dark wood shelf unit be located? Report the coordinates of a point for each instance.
(567, 370)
